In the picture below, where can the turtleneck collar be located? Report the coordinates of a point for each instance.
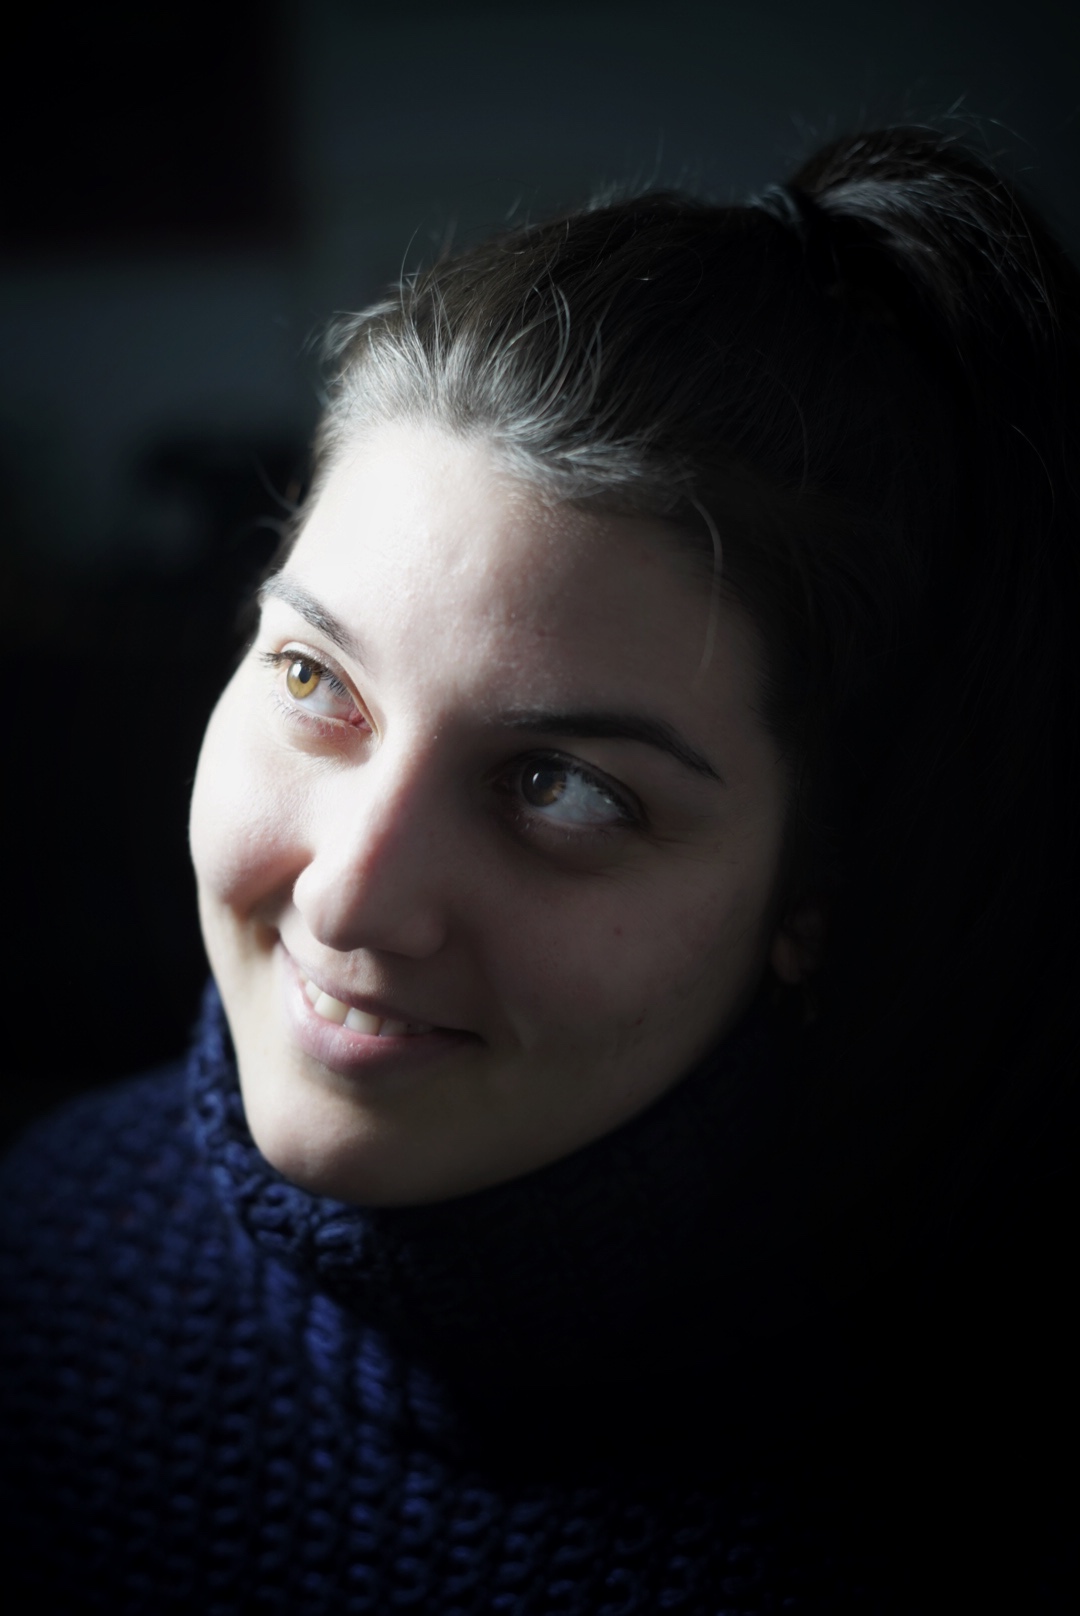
(673, 1243)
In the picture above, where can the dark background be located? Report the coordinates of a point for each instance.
(189, 192)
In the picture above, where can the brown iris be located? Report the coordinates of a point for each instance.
(302, 678)
(542, 787)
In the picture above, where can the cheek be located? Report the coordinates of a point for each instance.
(243, 829)
(629, 962)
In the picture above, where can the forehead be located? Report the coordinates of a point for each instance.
(420, 538)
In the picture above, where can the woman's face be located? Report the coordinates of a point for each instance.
(485, 860)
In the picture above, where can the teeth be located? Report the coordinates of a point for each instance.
(331, 1009)
(358, 1020)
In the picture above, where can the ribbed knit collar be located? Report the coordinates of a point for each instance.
(675, 1242)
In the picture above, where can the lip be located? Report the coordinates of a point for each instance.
(353, 1053)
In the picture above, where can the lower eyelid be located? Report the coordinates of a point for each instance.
(313, 721)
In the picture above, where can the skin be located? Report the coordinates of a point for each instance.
(588, 935)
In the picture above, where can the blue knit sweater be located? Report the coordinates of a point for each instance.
(577, 1393)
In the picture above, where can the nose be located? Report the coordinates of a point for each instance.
(378, 874)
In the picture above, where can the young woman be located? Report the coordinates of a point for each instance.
(619, 1167)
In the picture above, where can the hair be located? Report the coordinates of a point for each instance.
(855, 399)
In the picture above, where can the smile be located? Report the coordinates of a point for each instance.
(345, 1015)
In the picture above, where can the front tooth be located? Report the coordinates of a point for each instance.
(312, 992)
(360, 1021)
(331, 1009)
(393, 1029)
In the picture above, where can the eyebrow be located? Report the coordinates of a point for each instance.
(579, 725)
(615, 726)
(280, 586)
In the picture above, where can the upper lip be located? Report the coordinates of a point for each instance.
(367, 1002)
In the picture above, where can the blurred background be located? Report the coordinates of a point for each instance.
(191, 190)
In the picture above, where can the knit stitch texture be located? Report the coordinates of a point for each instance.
(224, 1395)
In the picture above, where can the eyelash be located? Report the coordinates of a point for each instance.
(531, 824)
(291, 710)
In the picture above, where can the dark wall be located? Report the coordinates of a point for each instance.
(191, 190)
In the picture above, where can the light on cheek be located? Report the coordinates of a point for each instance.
(243, 826)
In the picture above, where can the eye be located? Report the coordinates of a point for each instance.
(311, 688)
(561, 792)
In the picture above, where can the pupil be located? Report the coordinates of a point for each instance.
(302, 678)
(544, 786)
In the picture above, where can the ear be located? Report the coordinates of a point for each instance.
(796, 947)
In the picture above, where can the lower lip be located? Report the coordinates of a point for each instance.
(357, 1053)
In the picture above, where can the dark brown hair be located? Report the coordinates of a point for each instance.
(857, 397)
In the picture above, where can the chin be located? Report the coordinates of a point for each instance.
(301, 1132)
(316, 1140)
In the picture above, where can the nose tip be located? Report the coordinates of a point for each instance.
(376, 878)
(347, 916)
